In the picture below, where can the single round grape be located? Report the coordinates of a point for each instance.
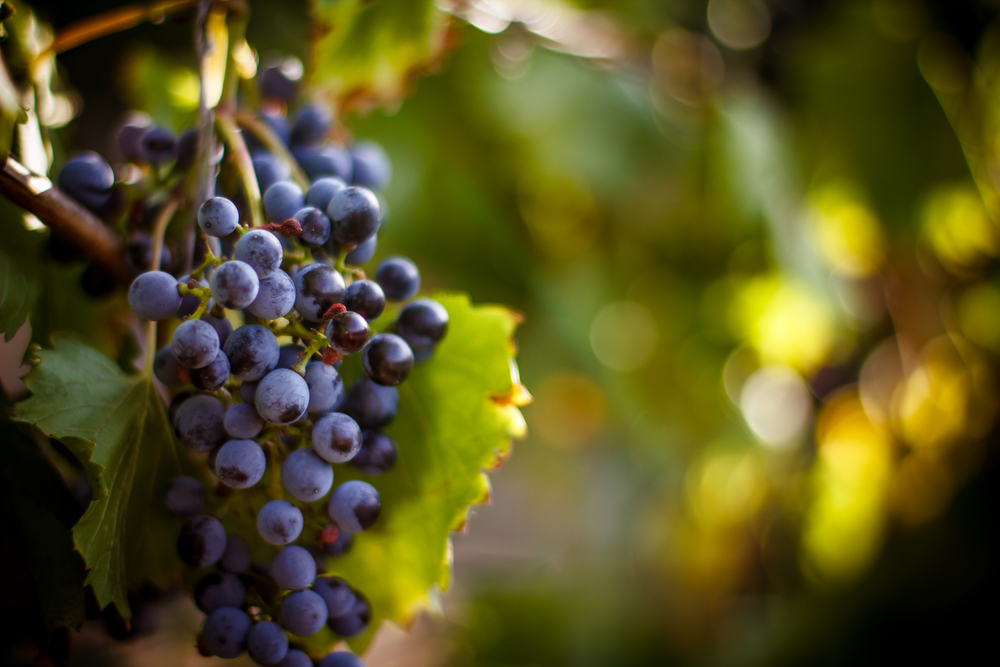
(267, 643)
(399, 278)
(240, 463)
(225, 632)
(199, 423)
(269, 170)
(274, 84)
(315, 226)
(190, 302)
(276, 297)
(282, 200)
(88, 179)
(325, 387)
(158, 145)
(139, 255)
(336, 593)
(202, 541)
(336, 437)
(311, 125)
(355, 506)
(212, 376)
(153, 296)
(322, 191)
(295, 658)
(371, 165)
(166, 368)
(353, 622)
(354, 214)
(369, 404)
(305, 476)
(195, 343)
(248, 390)
(187, 149)
(323, 161)
(361, 253)
(377, 454)
(253, 352)
(184, 496)
(347, 332)
(217, 590)
(340, 545)
(218, 217)
(341, 659)
(303, 613)
(235, 285)
(294, 568)
(282, 396)
(387, 359)
(261, 250)
(236, 557)
(221, 326)
(130, 138)
(279, 522)
(317, 287)
(242, 421)
(175, 405)
(423, 322)
(365, 298)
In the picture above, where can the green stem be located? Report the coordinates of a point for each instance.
(273, 144)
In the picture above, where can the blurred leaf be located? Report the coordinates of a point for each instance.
(44, 511)
(10, 109)
(117, 426)
(21, 273)
(217, 35)
(367, 53)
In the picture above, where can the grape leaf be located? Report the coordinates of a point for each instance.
(367, 53)
(117, 426)
(457, 415)
(21, 274)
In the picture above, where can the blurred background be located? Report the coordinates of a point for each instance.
(755, 245)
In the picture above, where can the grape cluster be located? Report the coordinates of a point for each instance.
(250, 406)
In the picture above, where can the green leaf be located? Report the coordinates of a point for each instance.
(456, 419)
(21, 271)
(117, 426)
(44, 512)
(367, 53)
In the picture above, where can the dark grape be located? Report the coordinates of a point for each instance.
(323, 161)
(422, 323)
(399, 278)
(139, 255)
(269, 170)
(240, 463)
(158, 145)
(236, 557)
(267, 643)
(325, 387)
(195, 343)
(242, 421)
(369, 404)
(274, 84)
(353, 622)
(305, 476)
(260, 249)
(282, 201)
(248, 389)
(282, 396)
(235, 284)
(153, 296)
(202, 541)
(387, 359)
(166, 368)
(365, 298)
(363, 252)
(252, 351)
(371, 165)
(303, 613)
(377, 454)
(187, 149)
(315, 226)
(322, 191)
(276, 297)
(88, 179)
(294, 568)
(213, 376)
(354, 214)
(295, 658)
(336, 437)
(279, 522)
(130, 139)
(199, 423)
(219, 589)
(184, 496)
(218, 217)
(336, 593)
(355, 506)
(347, 332)
(317, 287)
(225, 632)
(175, 404)
(221, 326)
(341, 659)
(312, 124)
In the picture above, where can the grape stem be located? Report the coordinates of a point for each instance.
(273, 144)
(237, 149)
(159, 231)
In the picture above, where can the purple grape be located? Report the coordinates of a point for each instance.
(325, 387)
(267, 643)
(217, 590)
(184, 496)
(303, 613)
(369, 404)
(248, 390)
(294, 568)
(279, 522)
(423, 322)
(282, 200)
(295, 658)
(317, 288)
(336, 437)
(235, 284)
(153, 296)
(199, 423)
(353, 622)
(387, 359)
(377, 454)
(195, 343)
(269, 170)
(282, 397)
(218, 217)
(221, 326)
(158, 145)
(371, 165)
(399, 278)
(225, 632)
(260, 249)
(130, 139)
(190, 302)
(340, 545)
(347, 332)
(336, 593)
(365, 298)
(202, 541)
(354, 215)
(253, 352)
(88, 179)
(166, 368)
(312, 124)
(212, 376)
(305, 476)
(341, 659)
(276, 297)
(242, 421)
(139, 255)
(325, 161)
(240, 463)
(274, 84)
(315, 226)
(322, 191)
(355, 506)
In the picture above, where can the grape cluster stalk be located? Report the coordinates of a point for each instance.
(256, 412)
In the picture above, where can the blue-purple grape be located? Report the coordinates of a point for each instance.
(269, 170)
(341, 659)
(242, 421)
(317, 287)
(371, 165)
(365, 298)
(221, 326)
(158, 146)
(282, 396)
(347, 332)
(377, 455)
(294, 568)
(267, 643)
(311, 125)
(282, 200)
(355, 506)
(279, 522)
(88, 179)
(326, 161)
(354, 215)
(387, 359)
(225, 632)
(153, 296)
(248, 390)
(325, 387)
(217, 590)
(166, 368)
(184, 496)
(235, 284)
(236, 557)
(295, 658)
(240, 463)
(253, 352)
(322, 191)
(399, 278)
(130, 139)
(274, 84)
(218, 217)
(315, 226)
(336, 437)
(261, 250)
(202, 541)
(336, 593)
(361, 253)
(305, 476)
(303, 613)
(353, 622)
(199, 423)
(213, 376)
(276, 297)
(195, 343)
(369, 404)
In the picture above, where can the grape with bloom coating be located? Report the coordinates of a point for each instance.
(195, 343)
(365, 298)
(275, 298)
(166, 368)
(341, 659)
(225, 632)
(353, 622)
(355, 506)
(336, 593)
(202, 541)
(279, 522)
(295, 658)
(235, 285)
(240, 463)
(322, 191)
(315, 226)
(317, 287)
(336, 437)
(267, 643)
(354, 215)
(387, 359)
(217, 590)
(199, 423)
(282, 397)
(399, 278)
(303, 613)
(242, 421)
(218, 217)
(377, 454)
(236, 557)
(253, 352)
(153, 296)
(294, 568)
(261, 250)
(305, 476)
(369, 404)
(213, 376)
(325, 387)
(282, 200)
